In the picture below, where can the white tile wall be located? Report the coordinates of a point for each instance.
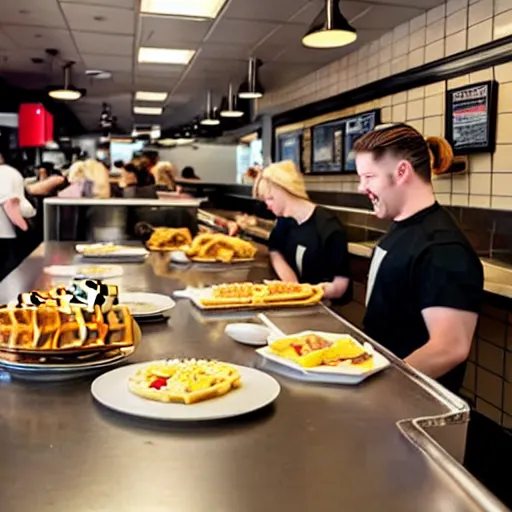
(445, 30)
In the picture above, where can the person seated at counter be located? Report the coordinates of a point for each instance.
(308, 243)
(425, 283)
(164, 173)
(188, 173)
(136, 182)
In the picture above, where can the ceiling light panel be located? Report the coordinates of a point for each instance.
(164, 56)
(208, 9)
(150, 96)
(148, 111)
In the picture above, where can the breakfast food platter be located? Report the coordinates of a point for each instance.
(66, 331)
(117, 390)
(323, 357)
(112, 252)
(169, 239)
(271, 294)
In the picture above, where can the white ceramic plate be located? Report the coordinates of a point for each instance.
(342, 374)
(121, 251)
(248, 334)
(179, 257)
(258, 390)
(91, 271)
(59, 372)
(146, 304)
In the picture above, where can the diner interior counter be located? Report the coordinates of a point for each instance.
(318, 447)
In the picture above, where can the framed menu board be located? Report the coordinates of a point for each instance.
(356, 127)
(289, 147)
(327, 147)
(471, 115)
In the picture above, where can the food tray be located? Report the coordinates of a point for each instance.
(342, 374)
(196, 294)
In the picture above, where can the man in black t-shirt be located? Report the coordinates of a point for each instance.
(426, 282)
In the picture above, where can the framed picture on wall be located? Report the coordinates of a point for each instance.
(289, 147)
(327, 147)
(356, 127)
(471, 116)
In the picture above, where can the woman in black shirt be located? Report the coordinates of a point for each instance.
(308, 243)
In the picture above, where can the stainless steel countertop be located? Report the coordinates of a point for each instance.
(318, 448)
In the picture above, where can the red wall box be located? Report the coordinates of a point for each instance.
(35, 125)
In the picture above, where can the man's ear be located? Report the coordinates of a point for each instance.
(404, 171)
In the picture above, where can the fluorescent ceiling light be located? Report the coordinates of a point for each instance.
(164, 56)
(150, 96)
(148, 111)
(186, 8)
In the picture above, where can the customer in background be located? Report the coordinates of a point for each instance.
(189, 173)
(137, 182)
(308, 243)
(164, 173)
(426, 281)
(14, 209)
(88, 179)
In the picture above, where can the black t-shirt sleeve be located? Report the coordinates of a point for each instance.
(449, 275)
(336, 251)
(277, 236)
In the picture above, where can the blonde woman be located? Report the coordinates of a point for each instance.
(308, 243)
(88, 179)
(164, 173)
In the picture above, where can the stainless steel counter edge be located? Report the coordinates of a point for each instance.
(58, 201)
(414, 428)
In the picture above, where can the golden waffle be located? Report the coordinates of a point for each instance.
(49, 328)
(271, 294)
(211, 247)
(168, 239)
(184, 381)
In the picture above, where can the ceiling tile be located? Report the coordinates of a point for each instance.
(387, 17)
(241, 32)
(40, 38)
(107, 62)
(163, 31)
(5, 42)
(42, 13)
(95, 18)
(225, 51)
(159, 70)
(109, 44)
(123, 4)
(280, 10)
(285, 35)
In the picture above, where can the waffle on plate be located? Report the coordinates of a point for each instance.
(271, 293)
(169, 239)
(83, 317)
(184, 381)
(217, 247)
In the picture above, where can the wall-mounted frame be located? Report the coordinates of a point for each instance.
(290, 146)
(327, 147)
(356, 127)
(471, 118)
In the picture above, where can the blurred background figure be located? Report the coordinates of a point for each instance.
(164, 173)
(189, 173)
(137, 183)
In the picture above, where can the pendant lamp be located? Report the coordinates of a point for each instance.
(330, 29)
(210, 119)
(68, 92)
(230, 110)
(251, 88)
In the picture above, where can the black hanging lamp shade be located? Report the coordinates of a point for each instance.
(251, 89)
(330, 29)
